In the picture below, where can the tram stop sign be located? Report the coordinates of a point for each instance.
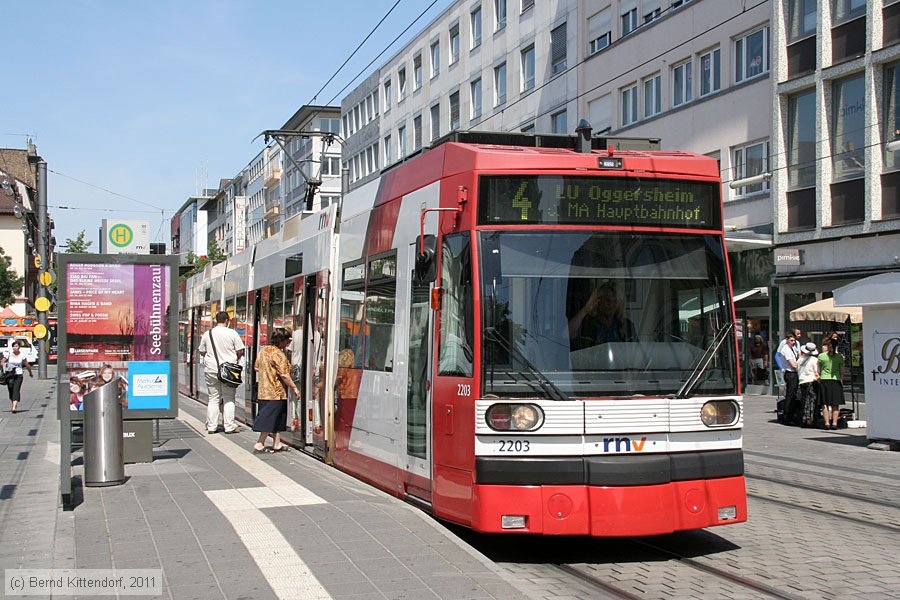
(40, 330)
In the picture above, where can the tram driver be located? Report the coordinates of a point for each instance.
(601, 320)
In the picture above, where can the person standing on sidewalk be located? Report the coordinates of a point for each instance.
(274, 376)
(789, 355)
(808, 371)
(229, 348)
(831, 369)
(15, 365)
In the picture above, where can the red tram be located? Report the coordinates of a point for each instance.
(511, 332)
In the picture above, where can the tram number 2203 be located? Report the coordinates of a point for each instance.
(515, 445)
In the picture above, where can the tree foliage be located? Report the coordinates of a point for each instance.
(216, 255)
(10, 283)
(79, 245)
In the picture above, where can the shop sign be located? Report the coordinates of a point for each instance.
(788, 257)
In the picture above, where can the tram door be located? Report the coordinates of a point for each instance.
(418, 433)
(318, 414)
(294, 317)
(195, 365)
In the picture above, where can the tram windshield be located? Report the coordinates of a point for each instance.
(584, 314)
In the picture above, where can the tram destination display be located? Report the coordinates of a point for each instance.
(613, 201)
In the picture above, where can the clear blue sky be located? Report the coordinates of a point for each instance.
(134, 96)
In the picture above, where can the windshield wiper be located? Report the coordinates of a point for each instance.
(703, 362)
(540, 379)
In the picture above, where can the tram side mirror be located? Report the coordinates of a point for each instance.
(426, 265)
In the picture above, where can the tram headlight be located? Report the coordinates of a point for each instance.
(719, 413)
(514, 417)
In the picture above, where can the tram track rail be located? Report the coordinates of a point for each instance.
(822, 490)
(581, 572)
(820, 512)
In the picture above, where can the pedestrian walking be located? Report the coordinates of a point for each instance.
(14, 366)
(759, 360)
(831, 374)
(808, 375)
(274, 377)
(226, 346)
(789, 354)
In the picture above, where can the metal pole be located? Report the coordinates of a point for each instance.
(43, 240)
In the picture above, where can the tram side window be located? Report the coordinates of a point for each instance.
(352, 298)
(381, 293)
(457, 310)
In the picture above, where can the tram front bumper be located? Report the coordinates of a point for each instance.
(609, 496)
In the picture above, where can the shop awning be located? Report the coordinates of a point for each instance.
(741, 294)
(879, 290)
(825, 310)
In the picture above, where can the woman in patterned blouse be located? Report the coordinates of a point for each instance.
(274, 377)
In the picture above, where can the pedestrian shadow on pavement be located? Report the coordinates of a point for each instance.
(165, 454)
(842, 437)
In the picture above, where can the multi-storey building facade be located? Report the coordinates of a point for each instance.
(835, 173)
(190, 233)
(254, 178)
(314, 156)
(695, 74)
(482, 64)
(18, 224)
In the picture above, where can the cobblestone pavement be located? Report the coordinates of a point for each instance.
(824, 522)
(219, 522)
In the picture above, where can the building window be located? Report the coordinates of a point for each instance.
(600, 113)
(629, 21)
(435, 122)
(801, 156)
(386, 150)
(559, 122)
(401, 141)
(475, 97)
(417, 72)
(401, 84)
(558, 49)
(751, 55)
(500, 84)
(499, 14)
(599, 31)
(435, 59)
(526, 4)
(454, 44)
(651, 9)
(629, 104)
(892, 114)
(652, 96)
(710, 72)
(454, 111)
(417, 132)
(528, 128)
(682, 84)
(848, 139)
(387, 96)
(846, 10)
(528, 68)
(801, 16)
(749, 161)
(331, 165)
(330, 125)
(475, 22)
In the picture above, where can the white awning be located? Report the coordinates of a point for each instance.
(878, 290)
(825, 310)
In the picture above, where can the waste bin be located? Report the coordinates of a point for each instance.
(104, 459)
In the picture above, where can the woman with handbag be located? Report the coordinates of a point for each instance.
(831, 369)
(274, 376)
(14, 366)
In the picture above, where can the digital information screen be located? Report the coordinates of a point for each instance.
(628, 201)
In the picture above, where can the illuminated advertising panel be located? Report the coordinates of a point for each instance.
(114, 326)
(610, 201)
